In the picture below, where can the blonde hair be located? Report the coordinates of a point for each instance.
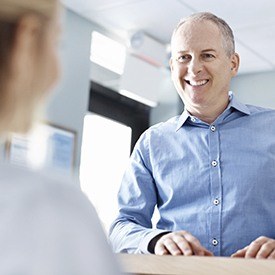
(12, 112)
(11, 10)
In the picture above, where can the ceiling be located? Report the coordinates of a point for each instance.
(253, 22)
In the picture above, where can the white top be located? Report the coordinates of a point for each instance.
(49, 227)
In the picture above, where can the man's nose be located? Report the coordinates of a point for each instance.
(195, 66)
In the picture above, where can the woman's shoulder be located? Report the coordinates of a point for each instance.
(22, 184)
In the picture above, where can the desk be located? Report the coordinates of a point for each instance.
(179, 265)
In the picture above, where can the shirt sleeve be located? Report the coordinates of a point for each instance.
(132, 231)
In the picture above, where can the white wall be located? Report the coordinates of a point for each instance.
(168, 100)
(256, 89)
(69, 103)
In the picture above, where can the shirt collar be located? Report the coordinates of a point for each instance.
(233, 103)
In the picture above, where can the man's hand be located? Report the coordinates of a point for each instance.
(261, 248)
(180, 243)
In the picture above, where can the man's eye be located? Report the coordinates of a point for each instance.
(208, 56)
(183, 58)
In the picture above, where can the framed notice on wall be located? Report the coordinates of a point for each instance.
(47, 146)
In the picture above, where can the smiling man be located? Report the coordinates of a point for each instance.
(202, 64)
(211, 171)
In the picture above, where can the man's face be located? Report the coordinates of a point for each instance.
(200, 66)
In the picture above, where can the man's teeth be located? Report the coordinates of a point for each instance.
(197, 83)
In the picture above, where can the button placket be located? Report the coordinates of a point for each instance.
(216, 187)
(214, 163)
(215, 242)
(216, 201)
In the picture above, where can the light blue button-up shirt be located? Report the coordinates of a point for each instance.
(216, 181)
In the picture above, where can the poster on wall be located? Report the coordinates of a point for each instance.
(47, 146)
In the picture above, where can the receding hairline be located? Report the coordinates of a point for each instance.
(224, 28)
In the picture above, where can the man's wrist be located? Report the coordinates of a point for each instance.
(152, 243)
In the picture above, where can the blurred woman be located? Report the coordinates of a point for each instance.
(46, 226)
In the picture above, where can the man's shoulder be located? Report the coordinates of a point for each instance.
(167, 126)
(158, 132)
(259, 110)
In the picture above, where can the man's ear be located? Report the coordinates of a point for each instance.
(235, 63)
(26, 40)
(171, 64)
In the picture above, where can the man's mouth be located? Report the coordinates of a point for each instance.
(196, 83)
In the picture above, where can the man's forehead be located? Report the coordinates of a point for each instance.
(203, 34)
(192, 27)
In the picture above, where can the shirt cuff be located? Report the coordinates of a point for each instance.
(143, 247)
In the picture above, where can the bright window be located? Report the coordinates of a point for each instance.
(107, 53)
(104, 156)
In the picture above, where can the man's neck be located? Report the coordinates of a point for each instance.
(206, 114)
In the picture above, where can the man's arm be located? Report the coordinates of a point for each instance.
(129, 237)
(132, 231)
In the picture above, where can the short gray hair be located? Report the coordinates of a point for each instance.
(226, 31)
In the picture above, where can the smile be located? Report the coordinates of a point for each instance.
(196, 83)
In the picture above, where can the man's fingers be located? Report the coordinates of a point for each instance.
(168, 245)
(271, 256)
(183, 245)
(175, 244)
(161, 250)
(252, 250)
(255, 247)
(240, 253)
(180, 243)
(197, 248)
(266, 249)
(261, 248)
(208, 253)
(172, 247)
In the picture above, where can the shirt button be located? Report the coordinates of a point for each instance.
(215, 242)
(214, 163)
(213, 128)
(216, 201)
(193, 119)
